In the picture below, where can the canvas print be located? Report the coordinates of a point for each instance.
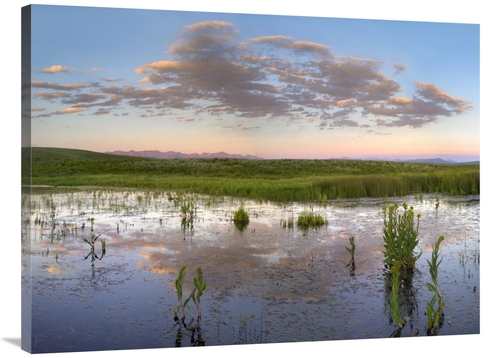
(218, 179)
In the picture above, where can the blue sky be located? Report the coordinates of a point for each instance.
(269, 85)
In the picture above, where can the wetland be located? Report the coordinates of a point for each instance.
(267, 281)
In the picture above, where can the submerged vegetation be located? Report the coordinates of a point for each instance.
(276, 180)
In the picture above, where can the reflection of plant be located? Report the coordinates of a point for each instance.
(351, 251)
(394, 298)
(92, 241)
(400, 237)
(435, 313)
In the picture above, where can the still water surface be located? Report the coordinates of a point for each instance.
(265, 283)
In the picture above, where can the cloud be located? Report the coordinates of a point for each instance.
(285, 42)
(37, 109)
(84, 98)
(57, 86)
(55, 69)
(210, 71)
(69, 110)
(112, 79)
(52, 96)
(100, 112)
(400, 67)
(434, 96)
(95, 69)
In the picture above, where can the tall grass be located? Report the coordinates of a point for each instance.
(276, 180)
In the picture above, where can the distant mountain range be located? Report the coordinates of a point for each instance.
(422, 160)
(173, 155)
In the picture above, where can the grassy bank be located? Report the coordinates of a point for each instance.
(278, 180)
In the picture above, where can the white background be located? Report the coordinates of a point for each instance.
(481, 12)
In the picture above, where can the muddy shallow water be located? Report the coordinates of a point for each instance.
(265, 283)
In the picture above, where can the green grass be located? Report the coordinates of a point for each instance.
(276, 180)
(309, 219)
(241, 218)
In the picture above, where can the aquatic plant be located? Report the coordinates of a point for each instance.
(241, 218)
(199, 287)
(394, 297)
(289, 223)
(352, 248)
(182, 304)
(310, 219)
(188, 213)
(435, 307)
(93, 238)
(400, 235)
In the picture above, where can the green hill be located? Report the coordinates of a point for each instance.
(47, 154)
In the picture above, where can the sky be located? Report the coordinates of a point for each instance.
(274, 86)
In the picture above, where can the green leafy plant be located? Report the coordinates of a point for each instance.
(435, 307)
(199, 287)
(182, 304)
(92, 241)
(352, 248)
(400, 234)
(241, 218)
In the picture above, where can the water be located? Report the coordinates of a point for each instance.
(265, 284)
